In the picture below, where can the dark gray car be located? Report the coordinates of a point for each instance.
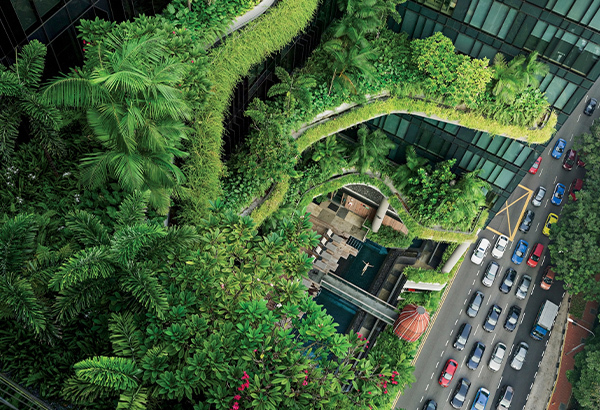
(460, 393)
(475, 304)
(527, 221)
(462, 337)
(492, 317)
(508, 281)
(590, 107)
(490, 274)
(475, 357)
(512, 318)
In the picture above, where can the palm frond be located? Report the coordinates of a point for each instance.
(30, 64)
(89, 263)
(77, 299)
(18, 298)
(129, 170)
(87, 228)
(180, 238)
(94, 169)
(17, 241)
(75, 92)
(83, 392)
(9, 130)
(117, 373)
(136, 399)
(146, 289)
(133, 209)
(125, 337)
(130, 242)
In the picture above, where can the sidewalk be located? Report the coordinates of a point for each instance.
(573, 344)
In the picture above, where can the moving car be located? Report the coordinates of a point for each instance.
(590, 107)
(462, 337)
(505, 399)
(547, 278)
(481, 399)
(480, 251)
(570, 159)
(430, 405)
(492, 317)
(535, 255)
(527, 221)
(448, 373)
(523, 287)
(490, 274)
(520, 251)
(475, 304)
(559, 148)
(509, 280)
(575, 187)
(552, 218)
(500, 247)
(558, 194)
(539, 196)
(520, 355)
(536, 165)
(512, 318)
(497, 357)
(475, 356)
(460, 393)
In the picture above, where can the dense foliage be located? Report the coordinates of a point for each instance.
(576, 235)
(584, 376)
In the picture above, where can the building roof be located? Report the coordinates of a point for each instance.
(411, 323)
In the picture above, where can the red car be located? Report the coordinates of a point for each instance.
(448, 373)
(570, 159)
(536, 165)
(535, 255)
(576, 186)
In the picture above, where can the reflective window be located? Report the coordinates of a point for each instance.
(554, 89)
(25, 13)
(445, 6)
(504, 178)
(565, 95)
(44, 6)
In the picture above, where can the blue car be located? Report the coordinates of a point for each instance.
(520, 252)
(481, 399)
(558, 194)
(559, 148)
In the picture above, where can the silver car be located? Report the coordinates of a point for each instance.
(539, 196)
(519, 357)
(497, 357)
(480, 251)
(500, 247)
(523, 287)
(505, 399)
(490, 274)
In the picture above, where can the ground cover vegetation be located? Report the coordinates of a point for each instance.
(584, 376)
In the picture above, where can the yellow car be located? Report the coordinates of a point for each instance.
(552, 218)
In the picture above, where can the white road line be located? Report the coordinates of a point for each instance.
(452, 331)
(546, 203)
(578, 118)
(470, 291)
(473, 282)
(522, 317)
(505, 307)
(511, 349)
(449, 394)
(478, 271)
(455, 323)
(537, 227)
(543, 352)
(438, 363)
(422, 399)
(540, 173)
(531, 386)
(431, 375)
(555, 178)
(563, 295)
(546, 343)
(499, 383)
(442, 353)
(476, 330)
(534, 288)
(465, 301)
(460, 312)
(535, 375)
(426, 388)
(539, 364)
(479, 375)
(571, 139)
(494, 338)
(543, 259)
(447, 342)
(488, 301)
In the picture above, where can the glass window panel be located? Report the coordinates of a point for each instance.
(436, 144)
(587, 59)
(546, 81)
(496, 171)
(562, 6)
(408, 22)
(595, 22)
(470, 12)
(487, 51)
(403, 128)
(508, 22)
(391, 124)
(590, 13)
(464, 43)
(451, 128)
(504, 178)
(495, 145)
(25, 13)
(555, 88)
(486, 170)
(579, 9)
(476, 162)
(495, 18)
(564, 96)
(536, 34)
(513, 151)
(424, 140)
(505, 144)
(523, 156)
(464, 162)
(480, 13)
(484, 140)
(44, 6)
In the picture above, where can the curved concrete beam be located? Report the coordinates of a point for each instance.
(453, 259)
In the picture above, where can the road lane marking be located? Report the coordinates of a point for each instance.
(422, 399)
(470, 291)
(447, 342)
(543, 259)
(555, 178)
(432, 375)
(534, 288)
(465, 301)
(537, 227)
(427, 388)
(476, 330)
(511, 349)
(546, 203)
(459, 314)
(571, 139)
(449, 394)
(540, 173)
(494, 338)
(522, 317)
(479, 375)
(535, 375)
(442, 353)
(499, 383)
(578, 118)
(473, 282)
(455, 324)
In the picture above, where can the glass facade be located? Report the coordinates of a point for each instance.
(503, 161)
(566, 33)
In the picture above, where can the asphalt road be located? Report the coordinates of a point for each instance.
(437, 349)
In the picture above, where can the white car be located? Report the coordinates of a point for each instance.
(497, 357)
(480, 251)
(500, 247)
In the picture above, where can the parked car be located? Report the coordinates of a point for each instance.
(509, 280)
(448, 373)
(512, 318)
(590, 107)
(523, 287)
(505, 399)
(430, 405)
(539, 196)
(480, 251)
(536, 165)
(460, 393)
(500, 247)
(492, 317)
(535, 255)
(481, 399)
(497, 357)
(490, 274)
(475, 304)
(520, 251)
(527, 221)
(475, 356)
(462, 337)
(552, 218)
(570, 159)
(575, 187)
(519, 356)
(559, 192)
(547, 278)
(559, 148)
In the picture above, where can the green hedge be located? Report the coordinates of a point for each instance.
(271, 204)
(230, 62)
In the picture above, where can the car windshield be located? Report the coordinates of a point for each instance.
(519, 252)
(548, 280)
(535, 258)
(447, 376)
(500, 247)
(479, 253)
(559, 194)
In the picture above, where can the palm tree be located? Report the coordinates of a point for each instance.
(530, 70)
(295, 89)
(19, 97)
(406, 171)
(505, 81)
(329, 153)
(346, 62)
(371, 151)
(136, 113)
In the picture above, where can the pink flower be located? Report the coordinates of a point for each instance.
(173, 32)
(304, 383)
(236, 406)
(359, 335)
(369, 392)
(255, 350)
(241, 388)
(237, 397)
